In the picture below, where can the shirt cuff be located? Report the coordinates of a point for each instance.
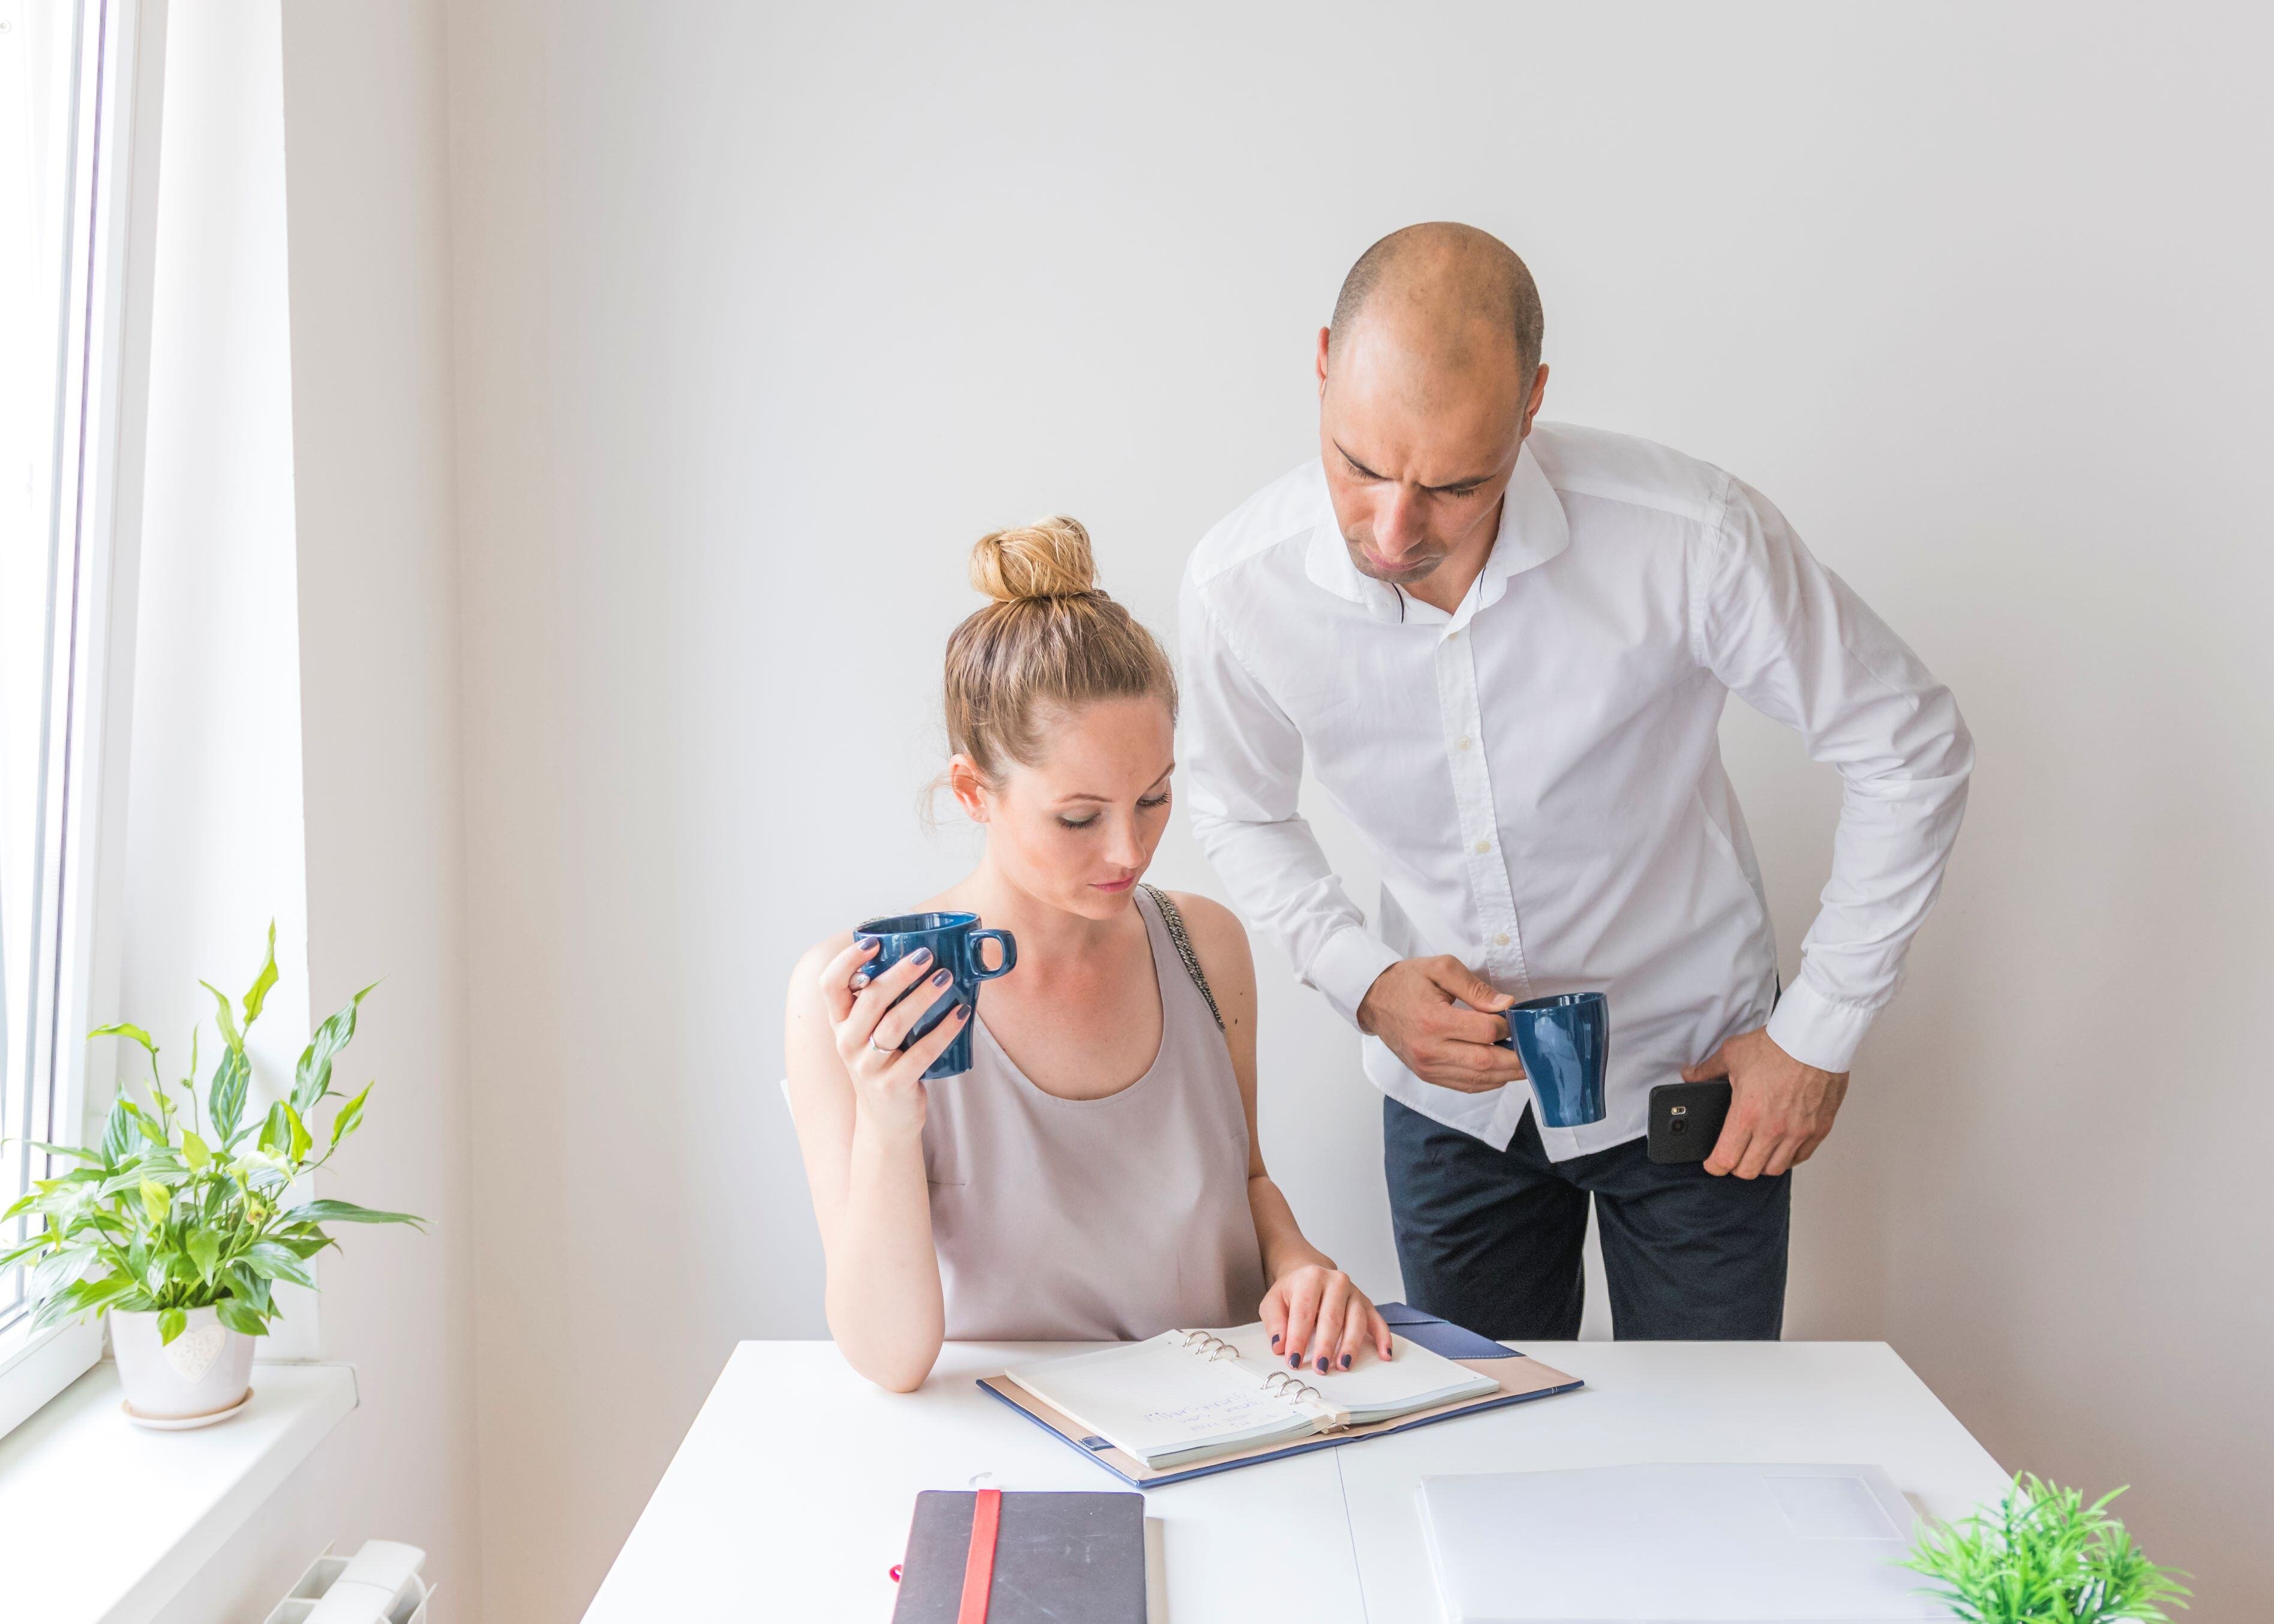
(1347, 967)
(1818, 1031)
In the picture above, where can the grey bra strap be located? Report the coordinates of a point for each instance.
(1175, 921)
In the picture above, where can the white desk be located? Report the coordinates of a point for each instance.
(799, 1476)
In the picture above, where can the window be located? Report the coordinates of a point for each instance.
(63, 74)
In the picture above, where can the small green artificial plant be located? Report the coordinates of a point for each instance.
(2045, 1557)
(175, 1211)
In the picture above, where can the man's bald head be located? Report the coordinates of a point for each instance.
(1445, 285)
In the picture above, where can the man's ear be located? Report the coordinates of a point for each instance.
(968, 785)
(1324, 334)
(1539, 394)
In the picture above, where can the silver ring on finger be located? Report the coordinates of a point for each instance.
(880, 1048)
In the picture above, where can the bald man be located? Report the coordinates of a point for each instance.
(1503, 648)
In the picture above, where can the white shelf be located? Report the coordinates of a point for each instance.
(110, 1521)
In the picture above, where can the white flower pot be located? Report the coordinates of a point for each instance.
(205, 1371)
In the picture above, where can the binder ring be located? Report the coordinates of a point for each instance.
(1201, 1345)
(1286, 1384)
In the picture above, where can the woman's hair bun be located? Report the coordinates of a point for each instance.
(1050, 558)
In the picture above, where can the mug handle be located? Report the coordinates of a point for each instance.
(1001, 939)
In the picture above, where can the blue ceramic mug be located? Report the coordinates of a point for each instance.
(956, 945)
(1563, 1042)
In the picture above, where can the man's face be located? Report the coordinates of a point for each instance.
(1419, 448)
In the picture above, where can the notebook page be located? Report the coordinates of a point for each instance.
(1160, 1402)
(1372, 1389)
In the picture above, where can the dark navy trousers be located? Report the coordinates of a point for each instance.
(1492, 1239)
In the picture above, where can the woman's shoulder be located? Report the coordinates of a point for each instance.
(805, 979)
(1218, 938)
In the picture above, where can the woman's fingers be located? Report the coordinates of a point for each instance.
(1302, 1317)
(1357, 1321)
(1274, 1314)
(1326, 1339)
(883, 991)
(837, 988)
(934, 1043)
(893, 1027)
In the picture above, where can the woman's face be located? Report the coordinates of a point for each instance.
(1076, 829)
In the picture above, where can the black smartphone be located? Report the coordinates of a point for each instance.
(1686, 1119)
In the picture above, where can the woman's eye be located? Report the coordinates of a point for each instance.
(1158, 801)
(1078, 823)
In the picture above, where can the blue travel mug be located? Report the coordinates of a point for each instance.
(956, 945)
(1564, 1041)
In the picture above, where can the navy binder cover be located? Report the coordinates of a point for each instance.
(1520, 1378)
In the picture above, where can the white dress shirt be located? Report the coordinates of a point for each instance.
(1539, 773)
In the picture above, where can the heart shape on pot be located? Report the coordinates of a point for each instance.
(192, 1353)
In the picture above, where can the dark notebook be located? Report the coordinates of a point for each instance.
(1069, 1558)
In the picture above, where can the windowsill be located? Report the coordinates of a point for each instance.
(114, 1520)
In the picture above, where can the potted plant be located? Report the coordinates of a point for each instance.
(2045, 1557)
(180, 1222)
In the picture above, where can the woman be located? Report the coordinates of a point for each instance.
(1095, 1175)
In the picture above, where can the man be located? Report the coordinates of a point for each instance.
(1504, 650)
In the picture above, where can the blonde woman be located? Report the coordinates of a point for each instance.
(1095, 1174)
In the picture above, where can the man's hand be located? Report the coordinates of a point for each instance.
(1779, 1111)
(1433, 1014)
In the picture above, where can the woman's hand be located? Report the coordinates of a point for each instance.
(1316, 1316)
(869, 1018)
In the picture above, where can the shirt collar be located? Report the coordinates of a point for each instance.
(1533, 531)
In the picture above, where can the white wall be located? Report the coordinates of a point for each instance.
(299, 654)
(762, 313)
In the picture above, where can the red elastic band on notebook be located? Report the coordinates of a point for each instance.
(979, 1567)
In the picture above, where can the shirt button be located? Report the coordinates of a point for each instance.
(1461, 743)
(1500, 940)
(1483, 846)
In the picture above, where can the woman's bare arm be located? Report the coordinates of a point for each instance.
(860, 1126)
(1315, 1313)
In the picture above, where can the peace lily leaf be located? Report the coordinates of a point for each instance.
(301, 1139)
(58, 1270)
(351, 1116)
(228, 1017)
(194, 1150)
(312, 1079)
(155, 1202)
(276, 1131)
(262, 982)
(126, 1029)
(119, 1131)
(225, 1101)
(239, 1316)
(277, 1262)
(204, 1250)
(153, 1131)
(78, 1151)
(29, 1249)
(171, 1323)
(344, 1212)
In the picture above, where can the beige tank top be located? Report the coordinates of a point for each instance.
(1096, 1220)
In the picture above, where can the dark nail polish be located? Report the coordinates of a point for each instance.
(1345, 1361)
(920, 956)
(1294, 1361)
(1275, 1342)
(1322, 1365)
(940, 979)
